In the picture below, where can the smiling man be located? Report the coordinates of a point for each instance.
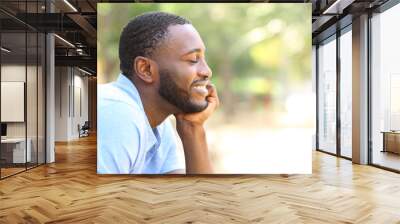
(163, 73)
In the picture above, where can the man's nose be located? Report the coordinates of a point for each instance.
(205, 71)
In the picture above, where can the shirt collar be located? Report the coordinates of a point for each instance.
(127, 86)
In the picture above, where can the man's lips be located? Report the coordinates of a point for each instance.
(201, 83)
(201, 87)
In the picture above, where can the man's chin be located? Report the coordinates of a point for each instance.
(195, 107)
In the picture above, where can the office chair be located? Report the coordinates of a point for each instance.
(84, 130)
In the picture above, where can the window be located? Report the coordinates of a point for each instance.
(346, 92)
(327, 96)
(385, 87)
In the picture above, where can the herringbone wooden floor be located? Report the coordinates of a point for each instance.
(70, 191)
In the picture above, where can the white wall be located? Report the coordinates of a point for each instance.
(62, 81)
(81, 100)
(71, 94)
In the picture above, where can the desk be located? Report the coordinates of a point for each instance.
(391, 141)
(15, 148)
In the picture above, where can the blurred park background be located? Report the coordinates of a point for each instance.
(260, 55)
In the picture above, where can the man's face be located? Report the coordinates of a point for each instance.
(183, 70)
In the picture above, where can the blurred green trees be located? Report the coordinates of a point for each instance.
(257, 51)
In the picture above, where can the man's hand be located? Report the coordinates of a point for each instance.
(191, 131)
(200, 117)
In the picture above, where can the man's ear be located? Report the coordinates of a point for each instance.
(144, 69)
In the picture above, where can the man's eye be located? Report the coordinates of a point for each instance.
(194, 60)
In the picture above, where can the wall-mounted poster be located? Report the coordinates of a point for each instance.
(12, 101)
(204, 88)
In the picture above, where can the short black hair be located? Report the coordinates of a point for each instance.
(142, 35)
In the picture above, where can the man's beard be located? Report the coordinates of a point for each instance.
(177, 96)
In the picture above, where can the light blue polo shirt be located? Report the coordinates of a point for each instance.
(126, 143)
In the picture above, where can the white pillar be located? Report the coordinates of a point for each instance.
(50, 110)
(50, 91)
(360, 90)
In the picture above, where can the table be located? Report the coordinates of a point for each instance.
(15, 148)
(391, 141)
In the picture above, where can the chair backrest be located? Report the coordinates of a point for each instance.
(86, 125)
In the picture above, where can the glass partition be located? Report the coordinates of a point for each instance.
(22, 79)
(33, 72)
(13, 94)
(31, 100)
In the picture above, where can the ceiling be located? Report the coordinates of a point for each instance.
(75, 21)
(330, 15)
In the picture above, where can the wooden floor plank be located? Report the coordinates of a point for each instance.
(70, 191)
